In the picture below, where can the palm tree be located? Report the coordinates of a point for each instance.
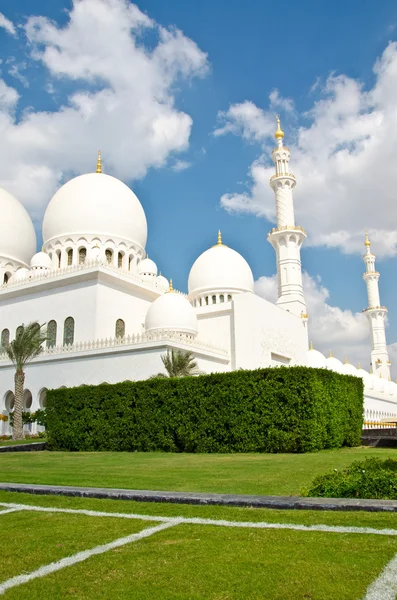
(179, 364)
(27, 345)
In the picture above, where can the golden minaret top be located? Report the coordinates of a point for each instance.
(279, 132)
(99, 163)
(367, 243)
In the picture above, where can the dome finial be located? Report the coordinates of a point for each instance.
(367, 243)
(330, 354)
(219, 238)
(346, 360)
(311, 346)
(359, 366)
(99, 163)
(279, 132)
(171, 289)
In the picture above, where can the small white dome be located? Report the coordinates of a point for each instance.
(17, 235)
(173, 312)
(333, 364)
(362, 373)
(315, 359)
(162, 283)
(220, 269)
(95, 204)
(41, 260)
(20, 274)
(147, 267)
(348, 369)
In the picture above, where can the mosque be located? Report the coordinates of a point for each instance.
(110, 315)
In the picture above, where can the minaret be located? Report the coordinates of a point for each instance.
(287, 238)
(376, 316)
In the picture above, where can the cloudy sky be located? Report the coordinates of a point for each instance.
(181, 98)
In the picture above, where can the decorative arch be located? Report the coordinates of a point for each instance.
(109, 255)
(27, 400)
(120, 328)
(6, 277)
(43, 398)
(68, 332)
(69, 255)
(51, 334)
(9, 401)
(19, 330)
(5, 338)
(82, 255)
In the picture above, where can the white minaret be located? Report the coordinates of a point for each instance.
(287, 238)
(376, 316)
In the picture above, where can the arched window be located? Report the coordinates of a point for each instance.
(58, 253)
(5, 338)
(120, 328)
(109, 256)
(51, 334)
(68, 331)
(213, 299)
(70, 256)
(43, 398)
(6, 277)
(229, 298)
(120, 260)
(221, 298)
(206, 300)
(27, 400)
(19, 330)
(82, 255)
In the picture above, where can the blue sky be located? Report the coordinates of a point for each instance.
(320, 58)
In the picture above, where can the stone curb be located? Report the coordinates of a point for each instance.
(242, 500)
(34, 447)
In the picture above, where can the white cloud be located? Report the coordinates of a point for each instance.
(181, 165)
(277, 101)
(7, 25)
(330, 328)
(123, 99)
(344, 160)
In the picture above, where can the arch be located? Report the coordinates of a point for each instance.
(58, 255)
(82, 255)
(120, 328)
(5, 338)
(120, 257)
(229, 297)
(51, 334)
(19, 330)
(68, 332)
(43, 398)
(69, 254)
(214, 299)
(221, 298)
(6, 277)
(27, 400)
(109, 255)
(9, 401)
(207, 300)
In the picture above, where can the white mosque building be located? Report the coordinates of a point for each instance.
(110, 316)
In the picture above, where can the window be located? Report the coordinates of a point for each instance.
(58, 253)
(5, 338)
(70, 256)
(51, 334)
(6, 277)
(82, 255)
(68, 331)
(120, 260)
(206, 300)
(19, 330)
(109, 256)
(213, 299)
(120, 328)
(221, 298)
(229, 298)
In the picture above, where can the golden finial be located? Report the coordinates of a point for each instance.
(346, 361)
(380, 375)
(279, 133)
(367, 243)
(99, 163)
(311, 346)
(330, 354)
(219, 238)
(371, 371)
(359, 366)
(171, 289)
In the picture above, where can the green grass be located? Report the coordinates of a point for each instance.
(18, 442)
(273, 474)
(192, 562)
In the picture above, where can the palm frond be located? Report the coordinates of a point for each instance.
(28, 344)
(180, 364)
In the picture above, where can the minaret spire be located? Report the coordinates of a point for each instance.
(376, 315)
(287, 238)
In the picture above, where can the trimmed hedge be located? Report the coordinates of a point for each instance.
(286, 409)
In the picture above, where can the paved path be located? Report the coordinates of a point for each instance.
(284, 502)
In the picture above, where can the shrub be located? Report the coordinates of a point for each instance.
(294, 409)
(371, 478)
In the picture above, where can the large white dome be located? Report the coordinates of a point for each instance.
(315, 359)
(17, 235)
(220, 269)
(172, 312)
(95, 204)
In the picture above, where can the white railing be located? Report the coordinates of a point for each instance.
(130, 340)
(34, 276)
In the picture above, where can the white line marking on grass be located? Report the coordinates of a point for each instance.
(198, 521)
(385, 587)
(10, 510)
(84, 555)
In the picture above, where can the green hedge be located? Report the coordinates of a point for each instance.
(294, 409)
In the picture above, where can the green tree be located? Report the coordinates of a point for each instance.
(28, 344)
(179, 364)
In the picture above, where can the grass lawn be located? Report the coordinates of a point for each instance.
(18, 442)
(191, 560)
(272, 474)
